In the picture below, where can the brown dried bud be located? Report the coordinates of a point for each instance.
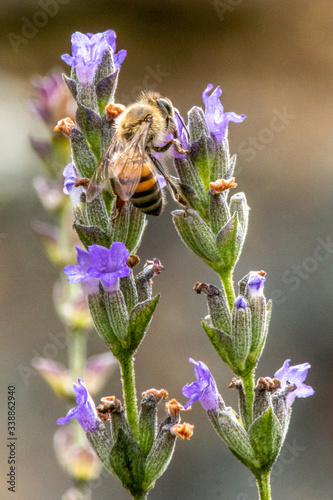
(209, 290)
(235, 383)
(183, 431)
(109, 405)
(222, 185)
(158, 394)
(262, 273)
(132, 260)
(113, 110)
(66, 125)
(157, 266)
(173, 408)
(268, 384)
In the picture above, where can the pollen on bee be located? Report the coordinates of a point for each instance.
(114, 110)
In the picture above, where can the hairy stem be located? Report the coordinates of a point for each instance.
(226, 278)
(264, 487)
(129, 393)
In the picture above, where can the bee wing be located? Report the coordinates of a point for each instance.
(126, 167)
(101, 175)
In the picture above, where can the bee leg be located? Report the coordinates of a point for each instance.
(119, 205)
(81, 181)
(173, 188)
(166, 146)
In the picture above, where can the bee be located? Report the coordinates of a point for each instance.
(128, 163)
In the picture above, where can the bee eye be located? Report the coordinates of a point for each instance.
(165, 105)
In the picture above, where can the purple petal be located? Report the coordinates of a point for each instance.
(255, 284)
(85, 412)
(217, 119)
(294, 375)
(204, 389)
(118, 254)
(240, 302)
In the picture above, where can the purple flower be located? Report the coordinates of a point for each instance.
(255, 284)
(204, 389)
(85, 412)
(240, 302)
(294, 375)
(109, 264)
(99, 263)
(216, 118)
(79, 273)
(88, 51)
(70, 176)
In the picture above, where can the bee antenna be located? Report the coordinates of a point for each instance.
(182, 122)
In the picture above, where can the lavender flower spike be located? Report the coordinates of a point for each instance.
(109, 264)
(88, 51)
(85, 412)
(79, 273)
(204, 389)
(216, 118)
(294, 375)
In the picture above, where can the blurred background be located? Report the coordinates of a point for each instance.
(272, 59)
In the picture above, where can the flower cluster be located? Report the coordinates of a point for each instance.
(121, 304)
(88, 51)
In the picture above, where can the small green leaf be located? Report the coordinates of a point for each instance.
(266, 437)
(139, 320)
(92, 235)
(127, 461)
(221, 342)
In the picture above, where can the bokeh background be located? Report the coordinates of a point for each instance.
(269, 58)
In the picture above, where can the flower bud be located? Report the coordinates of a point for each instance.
(217, 306)
(241, 333)
(238, 204)
(118, 315)
(160, 454)
(197, 235)
(233, 434)
(219, 212)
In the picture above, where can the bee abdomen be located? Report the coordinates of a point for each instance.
(148, 195)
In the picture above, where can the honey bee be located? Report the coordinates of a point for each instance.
(128, 162)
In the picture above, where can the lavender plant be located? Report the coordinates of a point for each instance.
(215, 229)
(137, 449)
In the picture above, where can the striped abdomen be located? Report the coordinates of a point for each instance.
(148, 195)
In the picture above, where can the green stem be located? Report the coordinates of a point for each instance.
(129, 394)
(248, 383)
(226, 278)
(264, 487)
